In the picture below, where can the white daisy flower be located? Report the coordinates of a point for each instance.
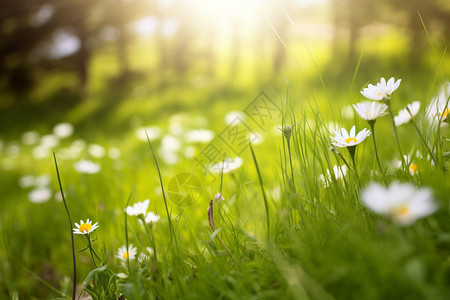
(219, 196)
(85, 227)
(339, 173)
(152, 217)
(139, 208)
(87, 167)
(381, 91)
(344, 139)
(370, 111)
(402, 202)
(404, 116)
(439, 107)
(125, 254)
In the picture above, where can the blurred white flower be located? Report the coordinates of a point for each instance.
(404, 116)
(232, 116)
(381, 91)
(114, 153)
(40, 195)
(199, 136)
(402, 202)
(63, 130)
(338, 172)
(143, 258)
(151, 217)
(58, 196)
(189, 152)
(139, 208)
(175, 128)
(85, 227)
(26, 181)
(87, 167)
(255, 138)
(333, 126)
(228, 165)
(219, 196)
(13, 149)
(96, 150)
(49, 141)
(42, 180)
(170, 143)
(439, 107)
(30, 138)
(153, 132)
(127, 254)
(40, 152)
(370, 111)
(344, 139)
(170, 158)
(122, 275)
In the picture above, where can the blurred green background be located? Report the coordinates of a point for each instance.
(82, 61)
(113, 67)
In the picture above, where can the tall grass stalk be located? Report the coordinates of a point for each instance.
(266, 203)
(421, 136)
(126, 227)
(74, 261)
(172, 231)
(372, 127)
(391, 114)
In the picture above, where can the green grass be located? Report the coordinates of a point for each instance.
(323, 242)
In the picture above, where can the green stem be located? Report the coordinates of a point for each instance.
(172, 231)
(74, 261)
(290, 162)
(423, 140)
(352, 151)
(372, 126)
(149, 231)
(90, 249)
(391, 114)
(221, 176)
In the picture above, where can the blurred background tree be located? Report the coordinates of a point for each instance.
(184, 38)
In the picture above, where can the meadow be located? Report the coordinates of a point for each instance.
(254, 189)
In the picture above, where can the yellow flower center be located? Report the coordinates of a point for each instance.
(348, 140)
(125, 255)
(85, 227)
(379, 94)
(402, 210)
(413, 168)
(444, 113)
